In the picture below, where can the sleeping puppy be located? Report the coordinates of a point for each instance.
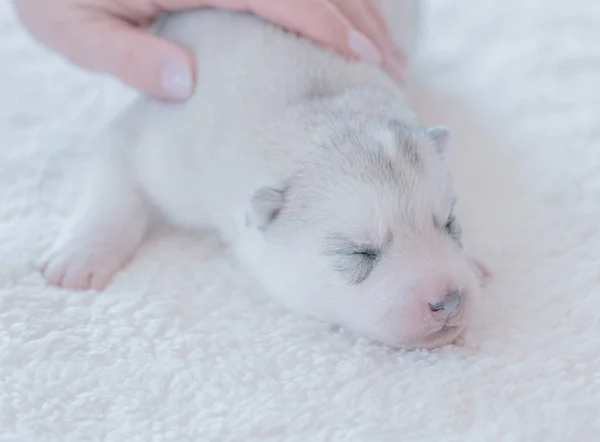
(314, 170)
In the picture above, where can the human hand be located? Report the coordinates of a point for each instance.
(108, 36)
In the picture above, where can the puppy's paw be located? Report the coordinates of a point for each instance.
(84, 263)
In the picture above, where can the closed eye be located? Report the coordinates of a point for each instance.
(357, 266)
(355, 261)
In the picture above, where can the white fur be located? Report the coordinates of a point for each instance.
(331, 143)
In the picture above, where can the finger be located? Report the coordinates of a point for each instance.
(360, 14)
(146, 62)
(395, 59)
(320, 21)
(366, 16)
(376, 11)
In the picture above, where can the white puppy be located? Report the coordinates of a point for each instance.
(312, 168)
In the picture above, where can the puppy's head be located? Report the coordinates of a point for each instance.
(364, 235)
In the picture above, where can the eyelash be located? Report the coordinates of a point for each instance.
(368, 254)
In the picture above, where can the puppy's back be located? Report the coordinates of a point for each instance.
(229, 135)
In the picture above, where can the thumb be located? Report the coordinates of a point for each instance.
(146, 62)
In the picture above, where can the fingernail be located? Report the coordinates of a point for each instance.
(363, 47)
(176, 80)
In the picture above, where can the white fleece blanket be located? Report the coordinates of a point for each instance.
(182, 347)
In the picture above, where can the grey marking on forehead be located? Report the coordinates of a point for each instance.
(407, 143)
(359, 159)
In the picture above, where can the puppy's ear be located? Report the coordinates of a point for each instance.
(265, 205)
(440, 136)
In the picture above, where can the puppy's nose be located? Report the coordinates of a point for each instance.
(448, 306)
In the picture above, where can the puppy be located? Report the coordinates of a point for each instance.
(313, 169)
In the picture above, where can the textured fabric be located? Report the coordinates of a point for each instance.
(184, 347)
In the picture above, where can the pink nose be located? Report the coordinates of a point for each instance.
(448, 307)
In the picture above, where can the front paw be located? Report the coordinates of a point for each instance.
(83, 264)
